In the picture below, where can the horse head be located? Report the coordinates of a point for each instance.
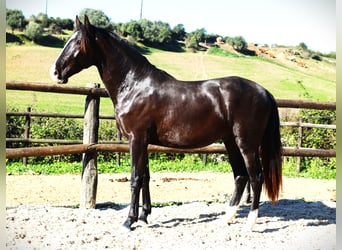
(76, 54)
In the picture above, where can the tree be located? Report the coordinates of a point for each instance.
(34, 31)
(178, 32)
(58, 25)
(15, 19)
(42, 19)
(155, 32)
(194, 38)
(97, 18)
(199, 34)
(303, 46)
(191, 42)
(238, 43)
(131, 28)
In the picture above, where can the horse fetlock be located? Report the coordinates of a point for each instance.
(251, 220)
(230, 214)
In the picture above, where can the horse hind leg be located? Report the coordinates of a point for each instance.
(256, 178)
(240, 179)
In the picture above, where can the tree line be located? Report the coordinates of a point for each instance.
(153, 33)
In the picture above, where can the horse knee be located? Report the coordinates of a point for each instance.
(257, 181)
(136, 182)
(240, 181)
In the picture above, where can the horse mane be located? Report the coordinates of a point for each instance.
(120, 43)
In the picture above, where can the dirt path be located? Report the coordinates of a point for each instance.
(182, 187)
(304, 218)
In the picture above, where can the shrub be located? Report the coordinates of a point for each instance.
(238, 43)
(15, 127)
(313, 138)
(34, 31)
(319, 138)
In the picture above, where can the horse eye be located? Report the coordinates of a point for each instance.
(78, 42)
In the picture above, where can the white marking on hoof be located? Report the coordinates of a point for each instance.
(251, 220)
(230, 214)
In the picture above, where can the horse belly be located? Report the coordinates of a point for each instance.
(197, 133)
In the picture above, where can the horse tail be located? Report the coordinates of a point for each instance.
(271, 153)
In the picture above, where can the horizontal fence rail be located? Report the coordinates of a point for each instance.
(55, 115)
(56, 88)
(124, 147)
(63, 89)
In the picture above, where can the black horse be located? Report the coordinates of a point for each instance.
(152, 107)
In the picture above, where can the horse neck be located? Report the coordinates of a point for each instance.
(118, 63)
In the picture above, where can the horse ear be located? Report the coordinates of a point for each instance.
(87, 23)
(78, 22)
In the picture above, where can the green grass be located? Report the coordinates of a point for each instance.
(31, 63)
(195, 66)
(220, 52)
(190, 163)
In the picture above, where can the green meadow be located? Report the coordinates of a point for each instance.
(31, 63)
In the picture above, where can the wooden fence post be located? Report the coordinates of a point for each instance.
(300, 135)
(89, 161)
(27, 131)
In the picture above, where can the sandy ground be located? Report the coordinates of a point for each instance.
(41, 215)
(164, 187)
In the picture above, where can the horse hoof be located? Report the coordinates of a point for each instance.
(127, 226)
(143, 218)
(124, 229)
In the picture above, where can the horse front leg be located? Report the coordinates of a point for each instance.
(146, 209)
(139, 161)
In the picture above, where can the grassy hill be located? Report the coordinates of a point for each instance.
(31, 63)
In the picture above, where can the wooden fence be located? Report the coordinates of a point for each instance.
(90, 146)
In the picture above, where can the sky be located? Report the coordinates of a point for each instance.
(282, 22)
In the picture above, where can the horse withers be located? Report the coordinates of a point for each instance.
(152, 107)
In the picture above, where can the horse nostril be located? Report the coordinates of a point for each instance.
(54, 73)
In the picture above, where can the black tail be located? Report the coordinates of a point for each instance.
(271, 154)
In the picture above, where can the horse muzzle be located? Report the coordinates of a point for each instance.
(56, 77)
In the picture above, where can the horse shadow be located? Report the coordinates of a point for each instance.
(110, 205)
(174, 222)
(317, 213)
(289, 209)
